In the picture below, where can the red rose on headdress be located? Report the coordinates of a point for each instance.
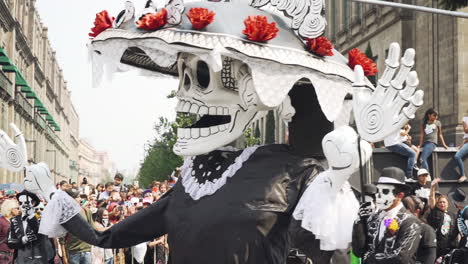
(200, 17)
(153, 21)
(320, 46)
(102, 22)
(257, 28)
(356, 57)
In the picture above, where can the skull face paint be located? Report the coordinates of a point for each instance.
(224, 104)
(26, 205)
(385, 196)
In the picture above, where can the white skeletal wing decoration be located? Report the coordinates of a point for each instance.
(174, 8)
(13, 155)
(306, 15)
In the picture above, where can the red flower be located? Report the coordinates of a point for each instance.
(356, 57)
(153, 21)
(102, 22)
(257, 28)
(200, 17)
(320, 46)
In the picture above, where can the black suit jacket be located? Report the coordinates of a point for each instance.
(400, 247)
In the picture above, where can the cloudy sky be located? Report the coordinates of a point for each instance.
(117, 117)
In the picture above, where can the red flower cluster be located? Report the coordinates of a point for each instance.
(102, 22)
(357, 57)
(257, 28)
(200, 17)
(153, 21)
(320, 46)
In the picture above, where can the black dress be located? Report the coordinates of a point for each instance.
(245, 221)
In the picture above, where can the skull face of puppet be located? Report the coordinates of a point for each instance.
(385, 196)
(25, 202)
(224, 102)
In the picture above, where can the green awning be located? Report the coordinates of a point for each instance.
(31, 95)
(49, 118)
(38, 104)
(20, 80)
(26, 89)
(10, 68)
(4, 60)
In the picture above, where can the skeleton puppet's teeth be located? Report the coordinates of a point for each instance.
(212, 110)
(214, 129)
(204, 132)
(203, 110)
(194, 109)
(186, 107)
(219, 110)
(195, 133)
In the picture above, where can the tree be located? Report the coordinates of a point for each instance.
(270, 128)
(160, 160)
(371, 56)
(250, 139)
(453, 4)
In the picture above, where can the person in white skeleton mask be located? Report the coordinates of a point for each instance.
(23, 235)
(392, 234)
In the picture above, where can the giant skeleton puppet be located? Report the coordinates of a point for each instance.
(23, 235)
(237, 206)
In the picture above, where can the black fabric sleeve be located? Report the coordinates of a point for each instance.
(14, 239)
(306, 242)
(143, 226)
(428, 245)
(359, 239)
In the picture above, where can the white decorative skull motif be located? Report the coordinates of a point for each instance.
(385, 196)
(225, 101)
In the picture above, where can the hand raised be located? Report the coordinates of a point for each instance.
(394, 101)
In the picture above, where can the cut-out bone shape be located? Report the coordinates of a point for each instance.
(13, 155)
(394, 101)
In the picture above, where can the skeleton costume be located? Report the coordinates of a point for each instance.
(32, 247)
(236, 206)
(389, 236)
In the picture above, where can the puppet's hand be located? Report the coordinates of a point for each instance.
(341, 150)
(385, 110)
(13, 156)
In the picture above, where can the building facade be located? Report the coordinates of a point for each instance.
(34, 94)
(93, 165)
(441, 44)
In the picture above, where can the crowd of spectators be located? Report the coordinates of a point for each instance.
(102, 207)
(431, 136)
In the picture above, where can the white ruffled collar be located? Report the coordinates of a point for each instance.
(198, 190)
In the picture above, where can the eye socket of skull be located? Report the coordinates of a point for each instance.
(203, 74)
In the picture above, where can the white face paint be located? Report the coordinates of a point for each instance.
(225, 111)
(385, 196)
(26, 205)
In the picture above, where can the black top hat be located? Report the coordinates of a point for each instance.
(35, 200)
(394, 176)
(369, 189)
(458, 196)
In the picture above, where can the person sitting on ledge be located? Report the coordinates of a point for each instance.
(462, 151)
(395, 143)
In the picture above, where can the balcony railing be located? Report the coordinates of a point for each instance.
(23, 102)
(40, 120)
(6, 85)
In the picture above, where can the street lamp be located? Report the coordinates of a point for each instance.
(55, 162)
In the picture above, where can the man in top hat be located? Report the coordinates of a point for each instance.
(460, 255)
(392, 234)
(23, 236)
